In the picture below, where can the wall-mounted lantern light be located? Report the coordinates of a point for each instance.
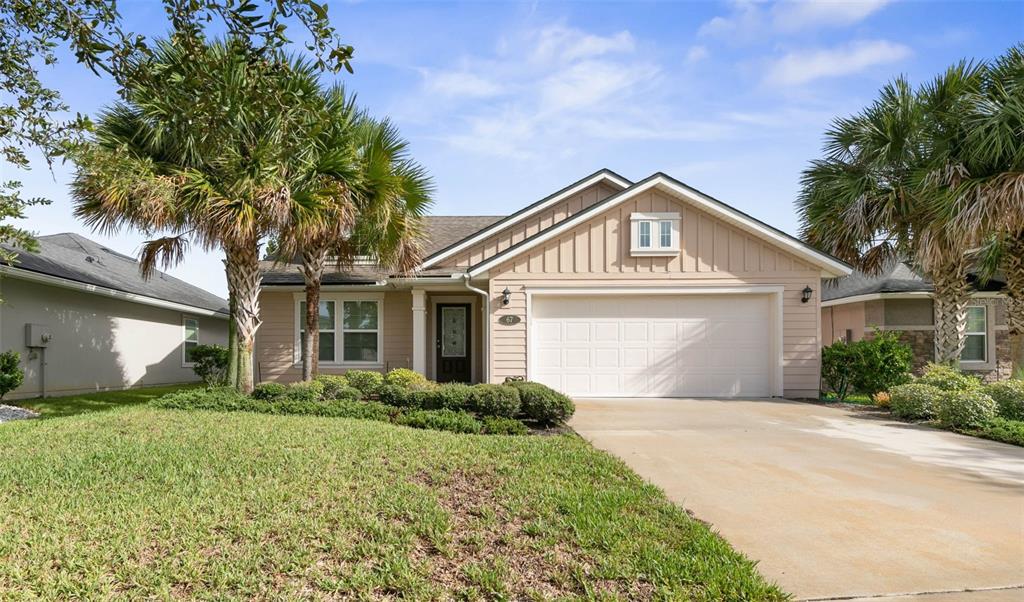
(506, 296)
(806, 294)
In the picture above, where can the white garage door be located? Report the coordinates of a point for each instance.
(653, 346)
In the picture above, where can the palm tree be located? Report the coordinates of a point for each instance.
(200, 152)
(864, 201)
(373, 211)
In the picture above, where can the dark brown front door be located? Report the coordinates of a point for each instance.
(453, 363)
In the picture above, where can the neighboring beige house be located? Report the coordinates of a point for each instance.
(606, 288)
(84, 320)
(900, 299)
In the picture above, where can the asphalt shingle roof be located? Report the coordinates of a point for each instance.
(74, 257)
(895, 277)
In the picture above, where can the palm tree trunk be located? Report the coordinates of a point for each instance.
(1013, 266)
(243, 268)
(312, 272)
(232, 343)
(951, 296)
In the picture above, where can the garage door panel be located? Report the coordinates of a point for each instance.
(714, 346)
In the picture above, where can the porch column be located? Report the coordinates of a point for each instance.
(419, 331)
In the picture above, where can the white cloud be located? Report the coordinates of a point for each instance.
(801, 67)
(564, 44)
(697, 54)
(461, 84)
(590, 83)
(749, 19)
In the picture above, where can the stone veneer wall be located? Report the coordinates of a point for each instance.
(922, 342)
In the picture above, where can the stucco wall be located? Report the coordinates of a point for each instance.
(841, 321)
(99, 343)
(713, 253)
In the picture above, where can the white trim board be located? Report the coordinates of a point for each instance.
(830, 266)
(109, 292)
(777, 376)
(601, 176)
(906, 295)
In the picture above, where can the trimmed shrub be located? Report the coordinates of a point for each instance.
(396, 395)
(367, 381)
(914, 401)
(332, 384)
(224, 399)
(344, 394)
(543, 404)
(965, 409)
(404, 377)
(494, 400)
(449, 396)
(211, 364)
(440, 420)
(1009, 398)
(305, 391)
(837, 366)
(504, 426)
(948, 378)
(11, 373)
(881, 362)
(1003, 430)
(268, 390)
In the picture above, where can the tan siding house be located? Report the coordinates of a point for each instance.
(605, 288)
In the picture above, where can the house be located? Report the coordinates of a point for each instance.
(84, 319)
(606, 287)
(899, 298)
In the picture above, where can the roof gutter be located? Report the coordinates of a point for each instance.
(485, 310)
(109, 292)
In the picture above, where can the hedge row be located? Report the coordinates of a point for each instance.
(961, 402)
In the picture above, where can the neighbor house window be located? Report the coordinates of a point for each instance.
(359, 331)
(655, 233)
(327, 329)
(976, 343)
(190, 327)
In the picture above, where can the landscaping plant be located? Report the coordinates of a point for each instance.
(211, 364)
(948, 378)
(367, 381)
(11, 373)
(504, 426)
(542, 403)
(333, 385)
(440, 420)
(407, 379)
(867, 366)
(494, 400)
(965, 409)
(268, 390)
(914, 401)
(1009, 398)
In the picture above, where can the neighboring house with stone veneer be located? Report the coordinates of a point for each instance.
(605, 288)
(900, 299)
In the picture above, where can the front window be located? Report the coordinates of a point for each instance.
(645, 235)
(359, 331)
(976, 342)
(327, 321)
(351, 335)
(191, 339)
(655, 234)
(665, 234)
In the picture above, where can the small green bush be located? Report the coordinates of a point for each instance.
(449, 396)
(222, 399)
(867, 366)
(344, 394)
(504, 426)
(494, 400)
(1009, 398)
(11, 373)
(948, 378)
(268, 390)
(367, 381)
(965, 409)
(837, 366)
(542, 403)
(1002, 430)
(396, 395)
(305, 391)
(332, 384)
(440, 420)
(406, 378)
(211, 364)
(914, 401)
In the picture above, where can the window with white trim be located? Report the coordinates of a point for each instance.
(190, 340)
(350, 329)
(976, 339)
(655, 233)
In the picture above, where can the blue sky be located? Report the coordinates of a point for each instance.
(507, 102)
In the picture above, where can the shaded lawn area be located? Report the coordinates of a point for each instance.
(58, 407)
(144, 502)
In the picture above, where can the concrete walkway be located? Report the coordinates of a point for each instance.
(832, 503)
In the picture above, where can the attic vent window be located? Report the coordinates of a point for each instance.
(654, 234)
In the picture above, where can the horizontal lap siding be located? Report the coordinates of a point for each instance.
(518, 231)
(275, 340)
(713, 253)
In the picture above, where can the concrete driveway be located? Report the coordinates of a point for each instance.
(832, 503)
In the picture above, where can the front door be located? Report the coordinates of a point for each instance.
(453, 363)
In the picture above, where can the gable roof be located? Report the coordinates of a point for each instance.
(829, 264)
(443, 231)
(72, 258)
(895, 278)
(605, 175)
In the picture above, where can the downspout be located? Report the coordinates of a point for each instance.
(485, 310)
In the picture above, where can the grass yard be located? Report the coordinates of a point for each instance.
(59, 407)
(142, 502)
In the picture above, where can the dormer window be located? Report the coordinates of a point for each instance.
(654, 234)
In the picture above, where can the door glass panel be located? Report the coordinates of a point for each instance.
(453, 332)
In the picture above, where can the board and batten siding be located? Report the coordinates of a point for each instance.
(275, 340)
(515, 233)
(712, 253)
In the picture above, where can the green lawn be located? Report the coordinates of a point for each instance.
(142, 502)
(59, 407)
